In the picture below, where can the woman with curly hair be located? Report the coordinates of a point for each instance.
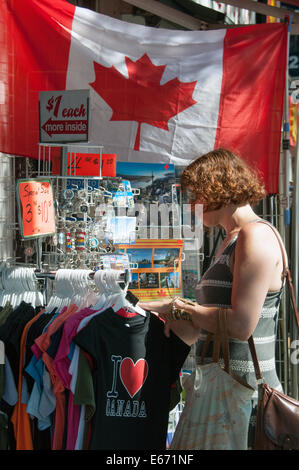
(246, 276)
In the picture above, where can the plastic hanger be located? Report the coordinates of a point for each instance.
(100, 284)
(118, 299)
(19, 284)
(67, 289)
(83, 293)
(62, 292)
(107, 289)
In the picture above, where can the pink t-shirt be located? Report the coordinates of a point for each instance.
(61, 364)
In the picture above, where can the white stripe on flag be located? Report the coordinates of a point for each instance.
(187, 56)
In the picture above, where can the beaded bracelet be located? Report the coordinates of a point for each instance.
(180, 314)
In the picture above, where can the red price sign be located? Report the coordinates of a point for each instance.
(91, 164)
(36, 208)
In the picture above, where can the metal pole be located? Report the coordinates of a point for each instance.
(285, 205)
(286, 141)
(283, 311)
(38, 170)
(293, 238)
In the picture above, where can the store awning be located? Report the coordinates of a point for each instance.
(195, 22)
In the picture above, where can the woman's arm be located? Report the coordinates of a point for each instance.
(258, 262)
(187, 331)
(256, 256)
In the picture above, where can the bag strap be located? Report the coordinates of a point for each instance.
(205, 347)
(286, 271)
(224, 338)
(255, 361)
(220, 338)
(285, 275)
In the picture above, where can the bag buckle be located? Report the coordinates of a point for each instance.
(260, 381)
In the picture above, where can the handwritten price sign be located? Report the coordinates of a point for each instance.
(90, 164)
(36, 208)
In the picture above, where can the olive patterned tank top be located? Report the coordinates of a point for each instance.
(215, 289)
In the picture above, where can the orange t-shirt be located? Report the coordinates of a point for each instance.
(20, 419)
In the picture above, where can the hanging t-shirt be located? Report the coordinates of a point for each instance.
(135, 365)
(11, 332)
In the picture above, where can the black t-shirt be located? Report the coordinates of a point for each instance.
(135, 366)
(35, 330)
(11, 333)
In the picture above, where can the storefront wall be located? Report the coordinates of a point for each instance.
(7, 207)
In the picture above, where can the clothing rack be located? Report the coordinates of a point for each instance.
(124, 276)
(21, 283)
(51, 357)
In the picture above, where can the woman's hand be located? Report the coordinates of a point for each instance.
(187, 331)
(184, 329)
(162, 307)
(192, 309)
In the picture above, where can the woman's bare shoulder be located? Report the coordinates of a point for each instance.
(260, 239)
(255, 230)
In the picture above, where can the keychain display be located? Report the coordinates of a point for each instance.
(82, 203)
(67, 205)
(29, 251)
(86, 223)
(69, 237)
(93, 243)
(80, 240)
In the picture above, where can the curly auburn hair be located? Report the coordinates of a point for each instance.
(220, 178)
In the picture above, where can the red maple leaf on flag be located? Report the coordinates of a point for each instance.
(141, 97)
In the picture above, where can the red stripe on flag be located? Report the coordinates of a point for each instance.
(252, 93)
(35, 42)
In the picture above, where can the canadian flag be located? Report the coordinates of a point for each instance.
(156, 95)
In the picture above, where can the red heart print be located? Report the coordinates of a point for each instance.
(133, 375)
